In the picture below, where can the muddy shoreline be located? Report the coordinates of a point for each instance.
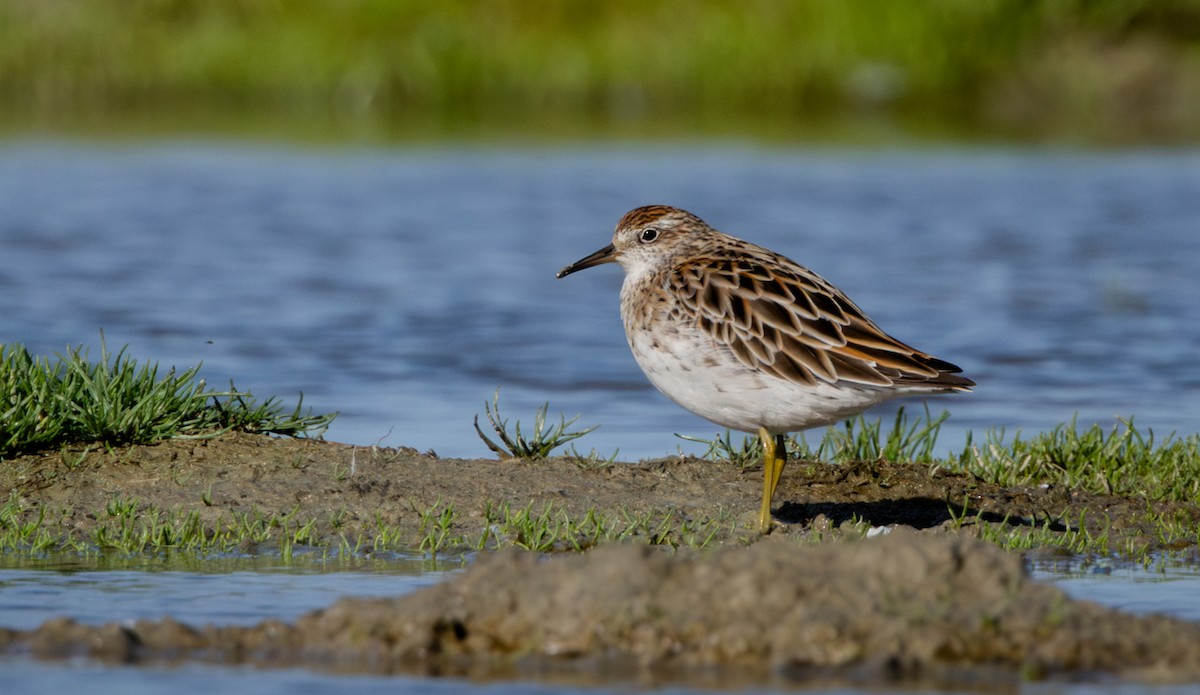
(924, 602)
(904, 608)
(348, 492)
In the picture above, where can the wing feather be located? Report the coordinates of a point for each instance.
(781, 318)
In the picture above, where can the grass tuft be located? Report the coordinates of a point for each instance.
(747, 454)
(516, 445)
(593, 460)
(856, 439)
(48, 403)
(1121, 461)
(859, 439)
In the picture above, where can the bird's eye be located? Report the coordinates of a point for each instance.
(648, 235)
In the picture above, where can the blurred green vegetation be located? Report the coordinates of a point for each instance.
(1105, 69)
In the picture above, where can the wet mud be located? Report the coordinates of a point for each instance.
(901, 608)
(922, 603)
(350, 492)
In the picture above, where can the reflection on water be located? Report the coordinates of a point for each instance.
(402, 286)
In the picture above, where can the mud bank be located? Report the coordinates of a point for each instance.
(346, 493)
(903, 607)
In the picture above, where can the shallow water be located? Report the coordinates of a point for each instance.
(1165, 587)
(236, 592)
(22, 676)
(402, 286)
(260, 590)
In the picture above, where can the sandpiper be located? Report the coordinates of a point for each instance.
(750, 339)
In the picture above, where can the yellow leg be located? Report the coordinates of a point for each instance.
(774, 459)
(780, 461)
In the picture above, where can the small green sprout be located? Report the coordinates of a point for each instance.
(515, 445)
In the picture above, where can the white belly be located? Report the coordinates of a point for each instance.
(690, 369)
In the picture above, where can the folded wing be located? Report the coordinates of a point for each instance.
(792, 324)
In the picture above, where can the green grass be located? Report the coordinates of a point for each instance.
(551, 529)
(856, 439)
(133, 527)
(1071, 63)
(538, 444)
(46, 403)
(1120, 461)
(1091, 532)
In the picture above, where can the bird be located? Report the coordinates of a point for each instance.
(751, 340)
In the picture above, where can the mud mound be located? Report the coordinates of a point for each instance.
(905, 606)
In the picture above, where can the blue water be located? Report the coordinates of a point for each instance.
(28, 598)
(1174, 592)
(27, 677)
(401, 286)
